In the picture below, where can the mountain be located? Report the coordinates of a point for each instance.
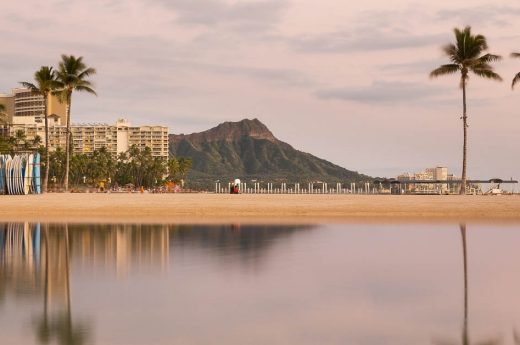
(248, 150)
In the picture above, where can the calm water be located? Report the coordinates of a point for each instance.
(329, 284)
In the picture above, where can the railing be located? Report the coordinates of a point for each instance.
(298, 188)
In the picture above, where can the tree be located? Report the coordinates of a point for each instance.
(3, 115)
(57, 170)
(45, 84)
(516, 79)
(466, 56)
(72, 76)
(179, 168)
(140, 168)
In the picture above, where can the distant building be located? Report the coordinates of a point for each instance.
(27, 107)
(86, 138)
(429, 174)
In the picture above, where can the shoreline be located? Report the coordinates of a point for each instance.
(257, 209)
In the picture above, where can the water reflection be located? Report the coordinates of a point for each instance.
(465, 323)
(36, 259)
(164, 284)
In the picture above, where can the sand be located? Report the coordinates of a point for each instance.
(224, 208)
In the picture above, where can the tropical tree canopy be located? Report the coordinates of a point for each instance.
(467, 55)
(71, 76)
(45, 79)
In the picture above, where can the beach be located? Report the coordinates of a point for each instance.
(225, 208)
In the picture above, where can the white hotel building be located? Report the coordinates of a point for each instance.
(86, 138)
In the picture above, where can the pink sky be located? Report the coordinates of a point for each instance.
(342, 80)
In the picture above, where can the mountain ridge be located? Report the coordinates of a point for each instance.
(247, 149)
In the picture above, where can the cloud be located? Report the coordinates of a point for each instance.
(368, 39)
(413, 67)
(242, 15)
(480, 15)
(372, 31)
(382, 92)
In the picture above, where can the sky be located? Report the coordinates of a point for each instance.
(346, 81)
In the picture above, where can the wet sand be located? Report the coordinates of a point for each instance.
(211, 208)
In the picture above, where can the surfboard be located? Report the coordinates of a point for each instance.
(2, 175)
(17, 167)
(9, 175)
(19, 175)
(30, 162)
(36, 174)
(26, 178)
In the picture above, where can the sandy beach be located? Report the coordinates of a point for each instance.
(207, 208)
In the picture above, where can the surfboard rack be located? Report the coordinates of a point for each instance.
(20, 174)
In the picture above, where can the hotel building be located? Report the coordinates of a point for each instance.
(429, 174)
(86, 138)
(26, 107)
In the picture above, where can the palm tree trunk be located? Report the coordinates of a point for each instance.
(67, 144)
(465, 145)
(47, 158)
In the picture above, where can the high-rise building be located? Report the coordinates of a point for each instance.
(27, 107)
(8, 102)
(86, 138)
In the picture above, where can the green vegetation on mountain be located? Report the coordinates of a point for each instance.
(249, 151)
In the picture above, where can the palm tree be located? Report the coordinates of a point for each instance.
(516, 79)
(72, 76)
(45, 79)
(466, 55)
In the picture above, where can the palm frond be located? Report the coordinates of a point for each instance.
(444, 70)
(87, 72)
(83, 88)
(486, 73)
(488, 58)
(29, 86)
(516, 79)
(72, 75)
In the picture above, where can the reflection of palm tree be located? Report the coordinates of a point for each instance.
(465, 335)
(60, 326)
(465, 330)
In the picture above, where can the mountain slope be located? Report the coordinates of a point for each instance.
(248, 150)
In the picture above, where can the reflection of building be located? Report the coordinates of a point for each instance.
(121, 247)
(89, 137)
(36, 258)
(20, 265)
(27, 107)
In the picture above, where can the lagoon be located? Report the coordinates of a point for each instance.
(352, 283)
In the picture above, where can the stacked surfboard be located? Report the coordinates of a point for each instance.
(20, 175)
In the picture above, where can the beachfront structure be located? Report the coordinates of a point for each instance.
(24, 106)
(86, 138)
(430, 174)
